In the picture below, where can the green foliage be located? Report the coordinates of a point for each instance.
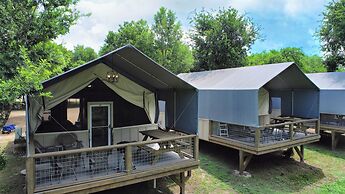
(82, 55)
(171, 51)
(136, 33)
(163, 43)
(28, 78)
(222, 39)
(27, 23)
(308, 64)
(332, 35)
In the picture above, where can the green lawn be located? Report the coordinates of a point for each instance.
(322, 172)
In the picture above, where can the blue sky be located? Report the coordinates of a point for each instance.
(283, 23)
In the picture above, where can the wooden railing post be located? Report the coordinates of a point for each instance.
(317, 127)
(128, 158)
(257, 136)
(30, 175)
(291, 131)
(196, 148)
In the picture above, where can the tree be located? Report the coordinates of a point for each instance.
(171, 51)
(308, 64)
(332, 35)
(27, 23)
(28, 79)
(82, 55)
(136, 33)
(221, 39)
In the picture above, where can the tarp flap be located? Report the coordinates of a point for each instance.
(264, 98)
(124, 87)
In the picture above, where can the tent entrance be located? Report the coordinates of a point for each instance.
(100, 123)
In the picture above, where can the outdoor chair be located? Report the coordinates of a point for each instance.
(39, 148)
(98, 162)
(69, 141)
(223, 130)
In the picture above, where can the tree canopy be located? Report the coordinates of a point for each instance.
(27, 23)
(136, 33)
(171, 51)
(82, 55)
(308, 64)
(221, 39)
(162, 42)
(332, 35)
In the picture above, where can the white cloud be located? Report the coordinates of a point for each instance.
(107, 15)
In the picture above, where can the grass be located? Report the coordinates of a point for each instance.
(11, 181)
(322, 172)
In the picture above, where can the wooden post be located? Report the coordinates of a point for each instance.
(291, 131)
(128, 159)
(257, 136)
(196, 148)
(317, 127)
(182, 183)
(302, 152)
(241, 161)
(30, 175)
(334, 139)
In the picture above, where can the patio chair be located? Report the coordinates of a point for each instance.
(223, 130)
(69, 141)
(98, 162)
(39, 148)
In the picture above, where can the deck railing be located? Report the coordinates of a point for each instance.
(273, 133)
(57, 169)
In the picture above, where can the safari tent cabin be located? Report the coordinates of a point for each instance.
(257, 109)
(332, 102)
(97, 129)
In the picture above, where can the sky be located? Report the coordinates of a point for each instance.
(282, 23)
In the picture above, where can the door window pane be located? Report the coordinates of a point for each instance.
(99, 116)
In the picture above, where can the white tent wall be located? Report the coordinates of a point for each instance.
(64, 89)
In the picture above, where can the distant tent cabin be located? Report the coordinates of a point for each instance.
(332, 102)
(98, 129)
(257, 109)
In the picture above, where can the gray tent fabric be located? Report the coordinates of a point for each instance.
(124, 87)
(332, 91)
(240, 95)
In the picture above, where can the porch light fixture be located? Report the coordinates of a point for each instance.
(112, 76)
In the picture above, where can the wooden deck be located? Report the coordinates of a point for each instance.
(271, 138)
(101, 168)
(335, 130)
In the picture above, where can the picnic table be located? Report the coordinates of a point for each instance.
(164, 146)
(299, 127)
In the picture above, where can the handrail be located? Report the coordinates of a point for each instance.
(76, 151)
(289, 123)
(136, 126)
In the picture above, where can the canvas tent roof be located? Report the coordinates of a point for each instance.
(143, 70)
(287, 75)
(329, 80)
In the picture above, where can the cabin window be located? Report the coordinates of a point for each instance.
(73, 111)
(276, 105)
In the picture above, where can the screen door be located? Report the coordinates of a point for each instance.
(100, 124)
